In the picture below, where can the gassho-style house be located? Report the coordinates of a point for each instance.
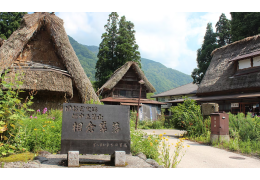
(40, 49)
(123, 88)
(233, 78)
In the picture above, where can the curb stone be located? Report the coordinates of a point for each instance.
(152, 162)
(142, 156)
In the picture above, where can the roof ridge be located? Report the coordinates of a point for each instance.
(236, 42)
(174, 88)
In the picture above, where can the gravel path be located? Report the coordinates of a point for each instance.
(86, 161)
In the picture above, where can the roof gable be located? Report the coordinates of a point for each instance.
(30, 24)
(220, 77)
(120, 72)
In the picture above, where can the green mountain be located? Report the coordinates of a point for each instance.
(86, 57)
(161, 77)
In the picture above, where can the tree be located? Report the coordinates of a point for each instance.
(204, 54)
(126, 44)
(9, 22)
(106, 55)
(117, 47)
(223, 31)
(244, 24)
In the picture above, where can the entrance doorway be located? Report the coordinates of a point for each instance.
(247, 107)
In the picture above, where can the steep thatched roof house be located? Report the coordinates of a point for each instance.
(233, 77)
(41, 49)
(123, 88)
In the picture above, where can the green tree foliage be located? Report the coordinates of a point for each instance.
(9, 22)
(117, 47)
(223, 31)
(187, 116)
(204, 54)
(163, 78)
(127, 49)
(244, 24)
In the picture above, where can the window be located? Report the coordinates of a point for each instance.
(162, 99)
(123, 93)
(128, 93)
(256, 61)
(246, 63)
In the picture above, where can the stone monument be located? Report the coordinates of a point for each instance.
(95, 129)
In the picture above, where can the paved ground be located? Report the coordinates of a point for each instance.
(203, 156)
(86, 161)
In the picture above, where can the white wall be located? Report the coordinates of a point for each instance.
(256, 61)
(246, 63)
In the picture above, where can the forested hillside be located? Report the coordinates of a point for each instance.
(86, 57)
(161, 77)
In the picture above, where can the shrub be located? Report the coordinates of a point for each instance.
(140, 142)
(187, 116)
(243, 127)
(166, 158)
(148, 124)
(12, 112)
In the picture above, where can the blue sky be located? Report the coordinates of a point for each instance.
(168, 32)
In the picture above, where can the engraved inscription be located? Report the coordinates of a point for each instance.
(116, 127)
(100, 117)
(80, 108)
(103, 126)
(77, 127)
(75, 108)
(110, 145)
(90, 127)
(74, 116)
(68, 108)
(88, 116)
(94, 116)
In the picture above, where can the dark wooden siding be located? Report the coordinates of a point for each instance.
(128, 86)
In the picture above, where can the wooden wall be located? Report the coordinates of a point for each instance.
(128, 86)
(40, 49)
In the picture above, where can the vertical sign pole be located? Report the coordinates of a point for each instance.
(138, 107)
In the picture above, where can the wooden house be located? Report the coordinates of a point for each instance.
(41, 51)
(122, 88)
(188, 90)
(233, 77)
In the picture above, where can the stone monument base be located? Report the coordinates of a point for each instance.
(118, 158)
(73, 158)
(218, 138)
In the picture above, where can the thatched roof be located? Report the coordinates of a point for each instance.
(120, 72)
(222, 76)
(30, 24)
(37, 80)
(1, 41)
(181, 90)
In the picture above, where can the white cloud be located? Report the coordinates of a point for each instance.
(162, 37)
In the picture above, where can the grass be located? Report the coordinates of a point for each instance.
(42, 131)
(24, 157)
